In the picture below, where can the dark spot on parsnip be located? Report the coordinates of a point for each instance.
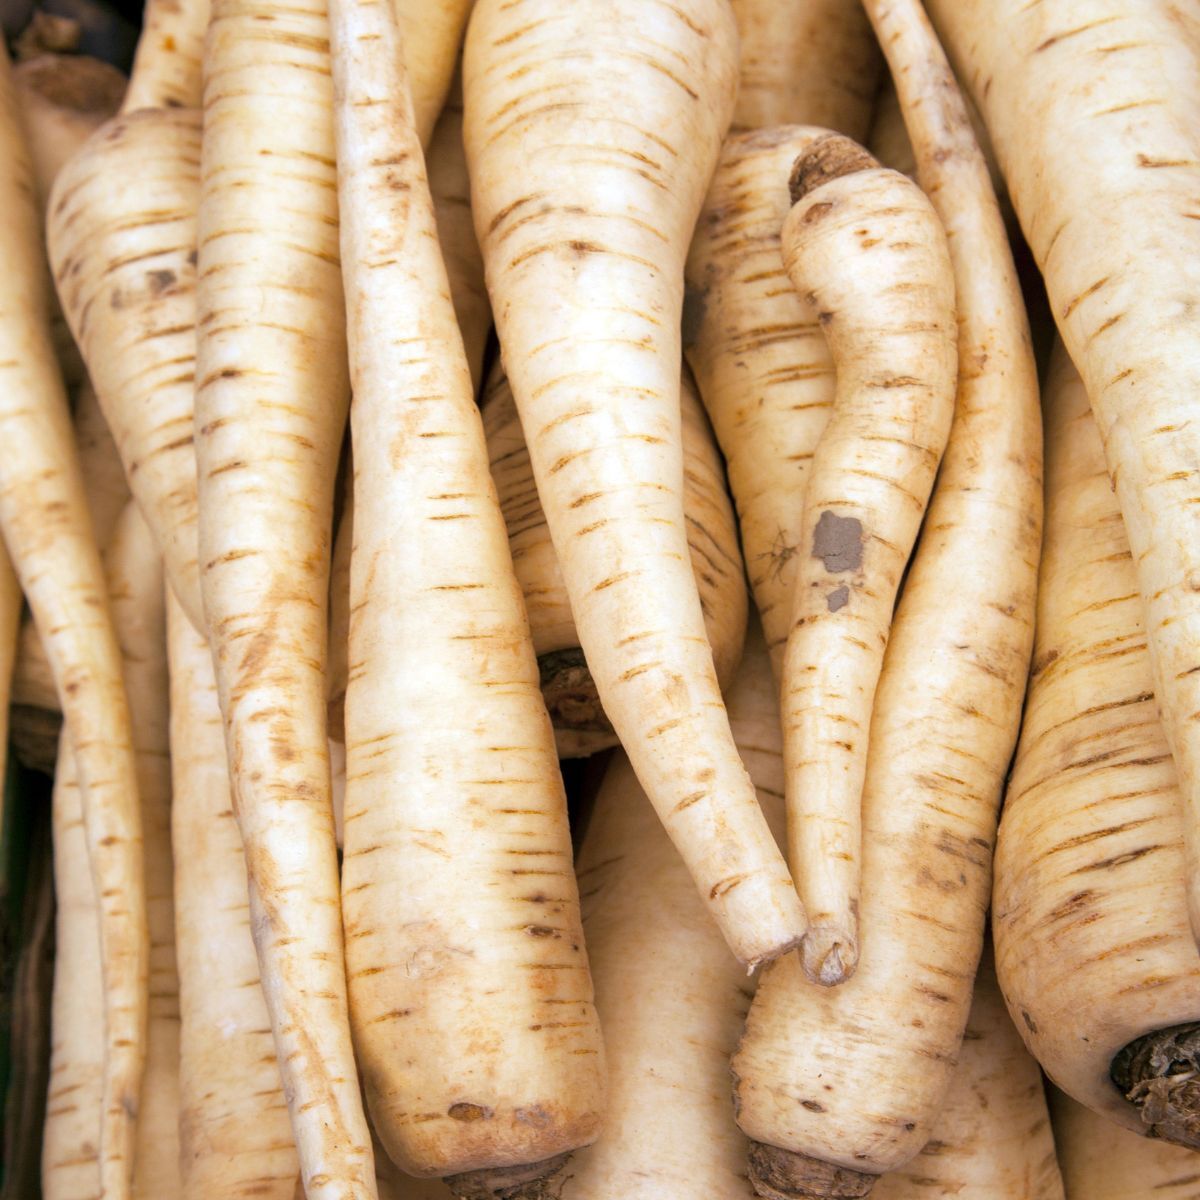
(778, 1174)
(464, 1111)
(159, 281)
(837, 542)
(828, 158)
(1030, 1023)
(1159, 1074)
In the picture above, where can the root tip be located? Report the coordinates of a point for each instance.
(779, 1174)
(1159, 1074)
(527, 1181)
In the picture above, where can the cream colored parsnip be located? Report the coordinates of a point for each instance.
(591, 132)
(471, 1001)
(866, 247)
(433, 34)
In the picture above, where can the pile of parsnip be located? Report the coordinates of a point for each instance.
(753, 488)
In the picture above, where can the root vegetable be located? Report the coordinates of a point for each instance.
(584, 209)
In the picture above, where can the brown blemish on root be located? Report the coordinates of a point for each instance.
(828, 158)
(570, 692)
(465, 1111)
(837, 542)
(75, 82)
(779, 1174)
(529, 1181)
(1159, 1074)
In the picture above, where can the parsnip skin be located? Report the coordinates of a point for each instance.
(236, 1139)
(471, 1001)
(866, 245)
(584, 216)
(433, 34)
(1112, 130)
(806, 61)
(671, 999)
(270, 408)
(581, 727)
(992, 1140)
(1102, 1162)
(167, 66)
(1093, 948)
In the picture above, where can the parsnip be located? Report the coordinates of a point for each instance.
(591, 130)
(1093, 948)
(270, 409)
(806, 61)
(669, 1028)
(580, 724)
(235, 1137)
(1093, 107)
(433, 34)
(471, 1002)
(867, 246)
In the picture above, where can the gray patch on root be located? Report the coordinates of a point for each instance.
(838, 598)
(1159, 1074)
(570, 692)
(527, 1181)
(838, 542)
(779, 1174)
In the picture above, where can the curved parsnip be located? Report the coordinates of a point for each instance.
(992, 1140)
(811, 61)
(1100, 1161)
(671, 999)
(44, 519)
(270, 409)
(855, 1077)
(761, 360)
(471, 1001)
(1094, 107)
(580, 725)
(1093, 948)
(235, 1138)
(591, 131)
(867, 247)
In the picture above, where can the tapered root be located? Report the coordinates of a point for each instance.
(829, 157)
(1160, 1075)
(779, 1174)
(530, 1181)
(570, 692)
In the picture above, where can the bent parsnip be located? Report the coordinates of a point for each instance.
(591, 131)
(868, 248)
(471, 1001)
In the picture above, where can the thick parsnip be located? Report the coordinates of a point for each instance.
(866, 246)
(806, 61)
(471, 1001)
(580, 725)
(1094, 110)
(270, 409)
(44, 519)
(1093, 949)
(235, 1137)
(591, 131)
(671, 999)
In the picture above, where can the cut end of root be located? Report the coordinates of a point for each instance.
(1159, 1075)
(828, 956)
(779, 1174)
(75, 82)
(529, 1181)
(570, 692)
(829, 157)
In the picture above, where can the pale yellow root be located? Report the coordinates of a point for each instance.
(433, 34)
(1093, 947)
(1100, 1161)
(167, 66)
(867, 247)
(671, 1000)
(471, 1001)
(580, 724)
(44, 519)
(236, 1140)
(992, 1140)
(810, 61)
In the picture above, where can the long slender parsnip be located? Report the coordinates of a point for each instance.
(1094, 108)
(45, 524)
(270, 409)
(167, 66)
(591, 131)
(671, 999)
(235, 1137)
(1093, 948)
(580, 726)
(992, 1140)
(433, 34)
(806, 61)
(471, 1001)
(854, 1078)
(868, 248)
